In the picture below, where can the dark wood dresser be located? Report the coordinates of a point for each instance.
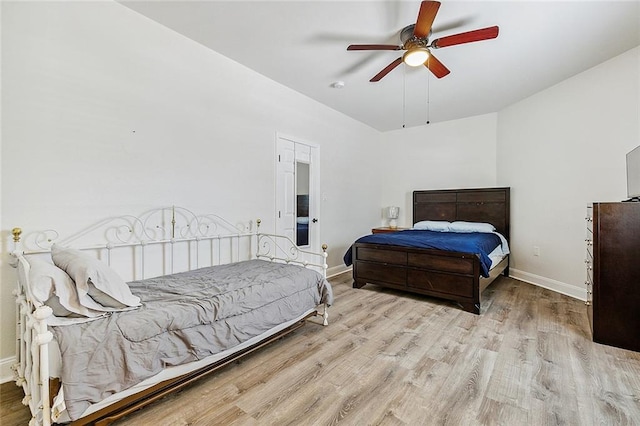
(613, 274)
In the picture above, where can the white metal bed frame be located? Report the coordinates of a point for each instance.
(164, 227)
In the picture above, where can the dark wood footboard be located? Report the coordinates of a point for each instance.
(443, 274)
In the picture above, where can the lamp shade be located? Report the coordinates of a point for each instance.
(416, 57)
(393, 212)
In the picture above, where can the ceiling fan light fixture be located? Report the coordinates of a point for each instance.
(416, 57)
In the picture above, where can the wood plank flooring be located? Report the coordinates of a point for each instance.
(390, 358)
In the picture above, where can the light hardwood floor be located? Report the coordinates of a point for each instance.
(397, 359)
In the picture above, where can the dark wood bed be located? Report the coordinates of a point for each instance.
(444, 274)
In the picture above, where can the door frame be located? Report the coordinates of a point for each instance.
(314, 188)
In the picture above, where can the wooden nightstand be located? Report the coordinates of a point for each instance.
(384, 229)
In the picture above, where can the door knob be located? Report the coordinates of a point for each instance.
(314, 220)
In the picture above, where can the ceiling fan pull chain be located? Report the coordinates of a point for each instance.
(428, 92)
(404, 97)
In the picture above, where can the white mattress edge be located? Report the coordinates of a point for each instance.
(496, 257)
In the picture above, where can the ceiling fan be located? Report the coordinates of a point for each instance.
(417, 46)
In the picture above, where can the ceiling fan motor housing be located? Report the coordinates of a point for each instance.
(409, 40)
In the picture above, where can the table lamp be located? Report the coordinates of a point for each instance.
(392, 213)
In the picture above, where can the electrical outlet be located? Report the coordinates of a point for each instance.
(536, 251)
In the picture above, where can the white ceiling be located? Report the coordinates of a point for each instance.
(302, 45)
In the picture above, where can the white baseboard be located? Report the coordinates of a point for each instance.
(6, 373)
(337, 270)
(550, 284)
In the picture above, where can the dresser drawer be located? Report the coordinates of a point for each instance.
(588, 261)
(589, 219)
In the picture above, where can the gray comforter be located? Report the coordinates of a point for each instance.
(184, 317)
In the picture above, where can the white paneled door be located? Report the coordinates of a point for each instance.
(297, 191)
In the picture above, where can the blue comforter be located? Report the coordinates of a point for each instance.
(480, 244)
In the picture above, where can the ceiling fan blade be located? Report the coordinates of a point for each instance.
(427, 14)
(386, 70)
(449, 26)
(468, 37)
(374, 47)
(436, 67)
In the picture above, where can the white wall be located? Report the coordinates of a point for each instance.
(560, 150)
(106, 112)
(452, 154)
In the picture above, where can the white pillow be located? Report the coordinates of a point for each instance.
(99, 287)
(433, 225)
(460, 226)
(53, 287)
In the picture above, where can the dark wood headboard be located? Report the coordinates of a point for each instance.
(471, 205)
